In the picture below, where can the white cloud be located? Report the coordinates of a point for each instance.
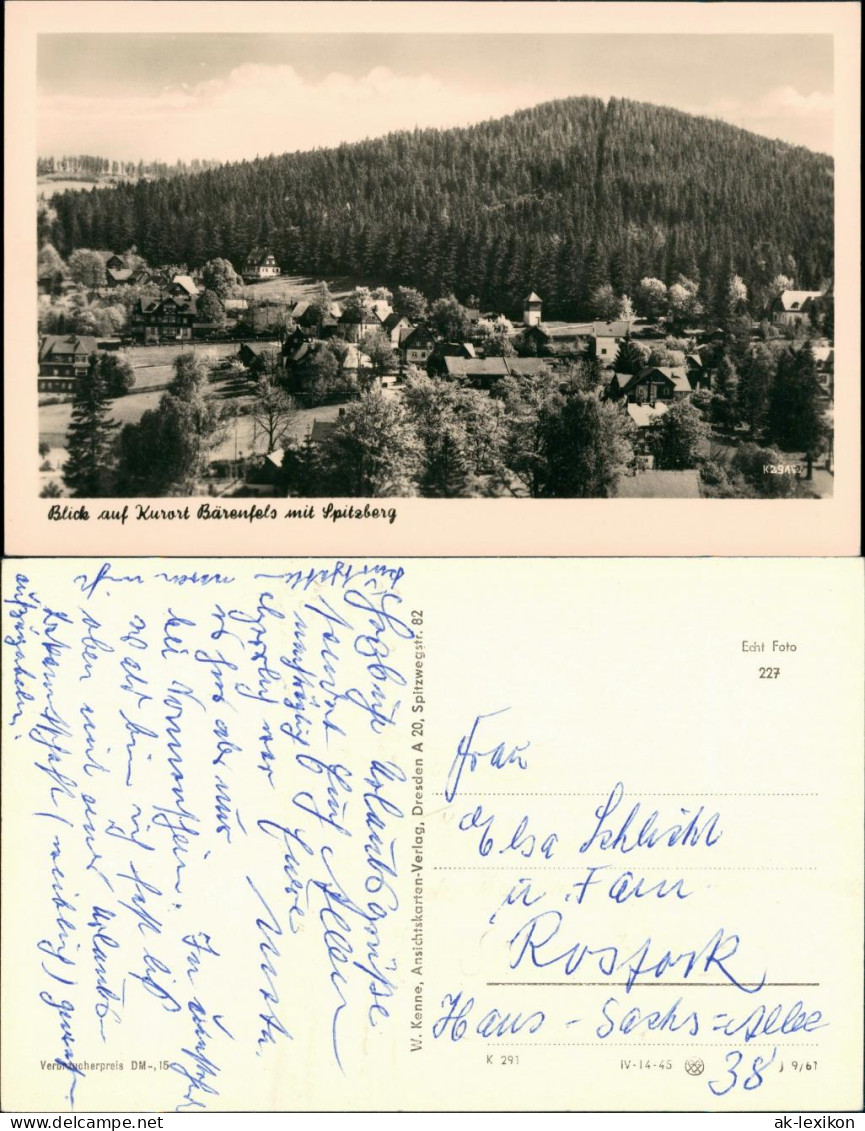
(783, 112)
(260, 109)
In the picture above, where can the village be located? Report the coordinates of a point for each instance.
(678, 382)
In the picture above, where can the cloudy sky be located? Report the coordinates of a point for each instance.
(231, 97)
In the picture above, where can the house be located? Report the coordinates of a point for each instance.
(417, 346)
(171, 318)
(353, 361)
(234, 308)
(392, 326)
(435, 362)
(354, 323)
(114, 263)
(329, 327)
(63, 359)
(120, 276)
(606, 338)
(295, 340)
(481, 372)
(532, 305)
(643, 415)
(533, 341)
(183, 286)
(484, 372)
(795, 308)
(382, 308)
(256, 356)
(260, 264)
(306, 313)
(698, 375)
(654, 383)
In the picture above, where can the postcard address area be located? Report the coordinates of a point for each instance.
(425, 834)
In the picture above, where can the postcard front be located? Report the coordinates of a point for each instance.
(431, 835)
(362, 278)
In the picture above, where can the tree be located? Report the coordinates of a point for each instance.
(374, 450)
(796, 415)
(441, 413)
(651, 298)
(87, 268)
(626, 311)
(304, 471)
(50, 262)
(752, 463)
(117, 373)
(523, 400)
(358, 302)
(410, 303)
(724, 390)
(629, 357)
(683, 302)
(91, 438)
(377, 347)
(211, 309)
(219, 277)
(167, 451)
(586, 375)
(778, 285)
(752, 392)
(737, 295)
(320, 303)
(603, 303)
(585, 444)
(319, 375)
(677, 438)
(450, 319)
(132, 260)
(273, 411)
(494, 337)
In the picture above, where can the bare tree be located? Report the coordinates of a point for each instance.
(273, 410)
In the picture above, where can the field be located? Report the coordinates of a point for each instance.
(153, 368)
(299, 287)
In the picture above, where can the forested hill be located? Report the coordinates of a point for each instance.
(559, 198)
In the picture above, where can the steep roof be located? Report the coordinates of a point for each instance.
(476, 366)
(119, 274)
(796, 300)
(494, 366)
(532, 298)
(258, 255)
(424, 334)
(675, 375)
(526, 366)
(393, 320)
(186, 282)
(645, 414)
(66, 343)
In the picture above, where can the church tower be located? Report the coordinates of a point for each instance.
(532, 310)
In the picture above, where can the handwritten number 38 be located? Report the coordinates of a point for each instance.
(753, 1080)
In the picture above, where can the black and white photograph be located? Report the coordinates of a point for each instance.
(392, 265)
